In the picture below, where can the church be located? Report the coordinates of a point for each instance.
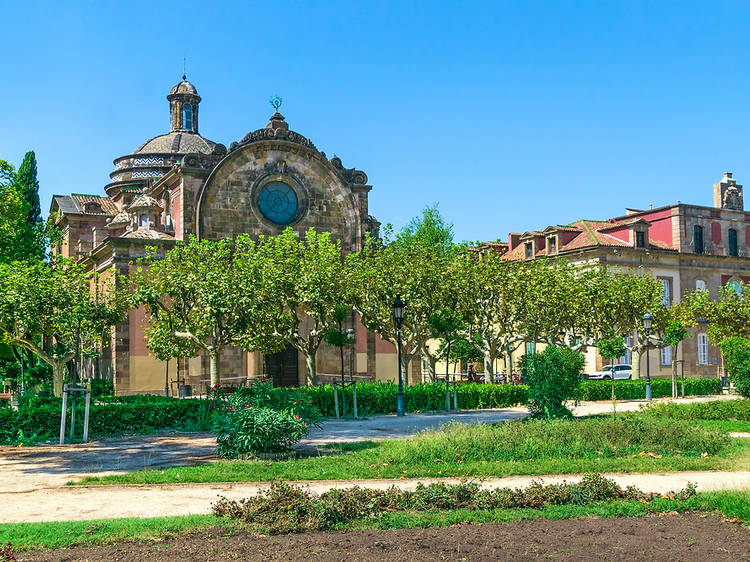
(180, 184)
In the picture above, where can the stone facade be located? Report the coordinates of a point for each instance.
(181, 184)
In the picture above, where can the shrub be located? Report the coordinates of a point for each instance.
(251, 429)
(288, 509)
(104, 419)
(380, 397)
(553, 377)
(714, 410)
(737, 353)
(636, 389)
(263, 394)
(101, 387)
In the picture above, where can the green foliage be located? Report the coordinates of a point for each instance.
(714, 410)
(611, 347)
(295, 400)
(380, 397)
(43, 420)
(636, 389)
(101, 387)
(28, 187)
(289, 509)
(41, 303)
(248, 430)
(726, 317)
(204, 296)
(553, 378)
(736, 350)
(674, 333)
(20, 239)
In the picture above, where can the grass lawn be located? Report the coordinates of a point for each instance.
(512, 448)
(27, 536)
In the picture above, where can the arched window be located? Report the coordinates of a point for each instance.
(187, 117)
(144, 219)
(732, 242)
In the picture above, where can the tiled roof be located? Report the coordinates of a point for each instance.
(147, 234)
(591, 234)
(80, 204)
(177, 142)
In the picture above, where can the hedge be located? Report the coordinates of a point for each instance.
(636, 389)
(714, 410)
(380, 397)
(104, 419)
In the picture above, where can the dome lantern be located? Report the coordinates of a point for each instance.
(183, 107)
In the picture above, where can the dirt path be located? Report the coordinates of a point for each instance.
(670, 537)
(104, 502)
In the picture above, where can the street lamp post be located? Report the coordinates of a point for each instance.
(398, 317)
(647, 319)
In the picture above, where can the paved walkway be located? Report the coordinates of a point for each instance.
(32, 479)
(104, 502)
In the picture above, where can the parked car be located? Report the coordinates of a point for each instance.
(618, 372)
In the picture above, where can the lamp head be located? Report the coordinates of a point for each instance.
(648, 318)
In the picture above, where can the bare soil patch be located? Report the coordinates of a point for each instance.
(690, 536)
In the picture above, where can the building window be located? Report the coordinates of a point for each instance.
(529, 249)
(666, 293)
(551, 245)
(732, 242)
(640, 239)
(666, 355)
(702, 349)
(144, 220)
(187, 117)
(698, 239)
(530, 348)
(700, 285)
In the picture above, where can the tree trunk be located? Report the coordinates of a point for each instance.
(674, 372)
(508, 365)
(58, 376)
(405, 362)
(215, 367)
(432, 366)
(489, 368)
(636, 353)
(312, 374)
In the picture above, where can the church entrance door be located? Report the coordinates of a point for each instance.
(283, 367)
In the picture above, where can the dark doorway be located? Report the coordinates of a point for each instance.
(283, 367)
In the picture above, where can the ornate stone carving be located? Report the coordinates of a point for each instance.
(732, 198)
(352, 175)
(273, 134)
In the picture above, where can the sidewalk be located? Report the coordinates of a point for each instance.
(104, 502)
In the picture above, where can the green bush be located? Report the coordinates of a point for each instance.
(101, 387)
(737, 353)
(248, 430)
(714, 410)
(104, 419)
(288, 509)
(553, 377)
(636, 389)
(263, 394)
(380, 397)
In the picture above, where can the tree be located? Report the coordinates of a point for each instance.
(419, 265)
(726, 317)
(611, 347)
(309, 286)
(57, 312)
(204, 296)
(28, 187)
(674, 333)
(736, 350)
(20, 240)
(445, 325)
(492, 304)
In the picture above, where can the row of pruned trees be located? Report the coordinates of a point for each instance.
(262, 294)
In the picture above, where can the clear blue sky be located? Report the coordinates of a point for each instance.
(511, 116)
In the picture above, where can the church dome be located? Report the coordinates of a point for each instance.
(177, 142)
(158, 155)
(184, 87)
